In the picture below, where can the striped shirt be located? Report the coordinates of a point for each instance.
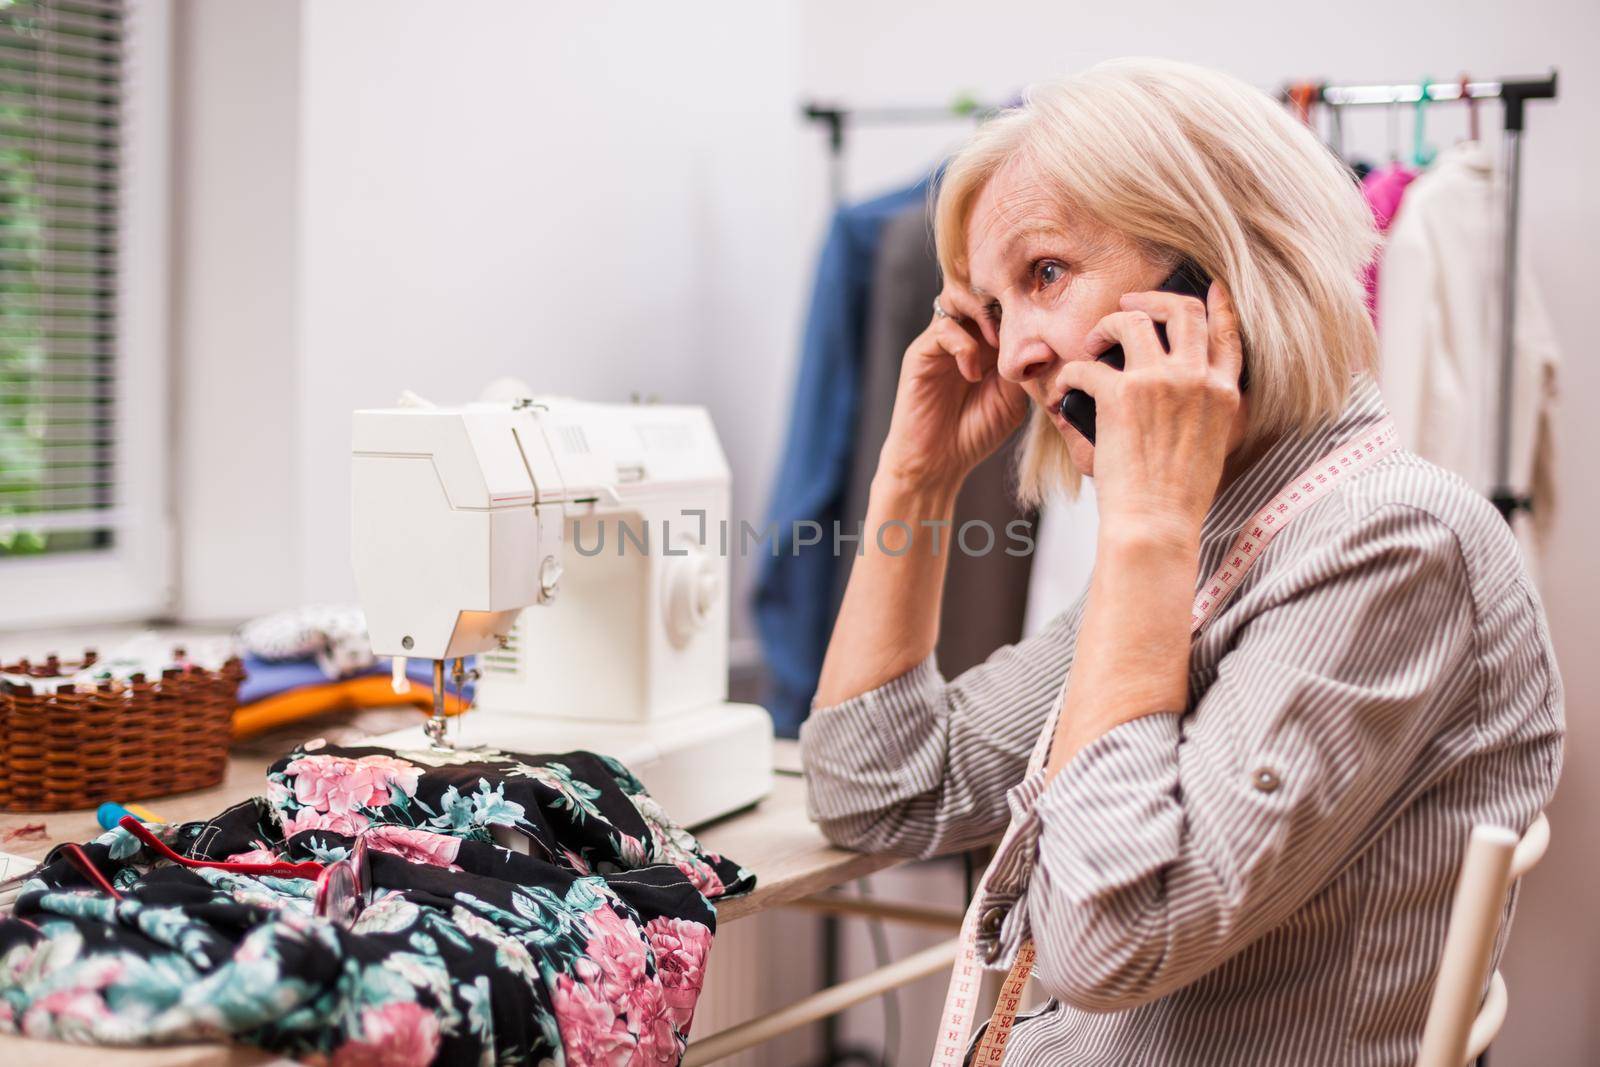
(1266, 877)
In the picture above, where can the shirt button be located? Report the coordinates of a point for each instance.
(989, 924)
(1265, 779)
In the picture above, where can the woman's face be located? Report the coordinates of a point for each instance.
(1041, 285)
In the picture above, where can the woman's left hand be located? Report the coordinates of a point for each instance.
(1164, 424)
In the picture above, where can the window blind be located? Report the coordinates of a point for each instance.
(61, 107)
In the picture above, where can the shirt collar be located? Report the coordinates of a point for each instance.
(1472, 155)
(1291, 455)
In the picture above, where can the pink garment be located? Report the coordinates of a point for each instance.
(1383, 187)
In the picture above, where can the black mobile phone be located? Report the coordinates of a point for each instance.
(1077, 407)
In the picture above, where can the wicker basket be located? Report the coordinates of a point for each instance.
(65, 746)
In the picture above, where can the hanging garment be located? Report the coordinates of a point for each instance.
(1063, 558)
(795, 581)
(1441, 361)
(585, 946)
(985, 589)
(1384, 188)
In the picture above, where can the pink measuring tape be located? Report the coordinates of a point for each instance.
(960, 1003)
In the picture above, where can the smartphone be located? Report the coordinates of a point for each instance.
(1077, 407)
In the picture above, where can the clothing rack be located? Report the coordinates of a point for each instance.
(838, 121)
(1513, 93)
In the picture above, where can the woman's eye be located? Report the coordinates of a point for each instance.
(991, 311)
(1049, 272)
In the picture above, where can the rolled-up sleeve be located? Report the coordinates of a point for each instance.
(920, 766)
(1171, 842)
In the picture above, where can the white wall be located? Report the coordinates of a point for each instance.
(236, 305)
(925, 52)
(595, 200)
(600, 203)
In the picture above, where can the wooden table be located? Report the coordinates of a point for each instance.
(774, 839)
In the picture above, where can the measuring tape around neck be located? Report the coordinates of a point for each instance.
(960, 1004)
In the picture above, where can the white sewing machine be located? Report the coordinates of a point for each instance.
(607, 522)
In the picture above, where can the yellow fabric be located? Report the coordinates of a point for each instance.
(352, 694)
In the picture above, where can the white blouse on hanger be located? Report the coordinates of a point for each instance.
(1063, 556)
(1440, 296)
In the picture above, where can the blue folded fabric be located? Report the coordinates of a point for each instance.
(267, 679)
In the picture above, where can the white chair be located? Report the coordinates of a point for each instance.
(1462, 1020)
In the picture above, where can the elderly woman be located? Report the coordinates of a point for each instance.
(1241, 846)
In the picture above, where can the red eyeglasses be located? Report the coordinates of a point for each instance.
(277, 869)
(85, 866)
(80, 861)
(344, 887)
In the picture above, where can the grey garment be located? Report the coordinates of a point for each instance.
(986, 590)
(1266, 877)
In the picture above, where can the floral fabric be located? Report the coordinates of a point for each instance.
(584, 943)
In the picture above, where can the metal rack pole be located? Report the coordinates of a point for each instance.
(833, 118)
(836, 119)
(1509, 498)
(1504, 495)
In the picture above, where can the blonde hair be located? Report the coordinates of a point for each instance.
(1191, 163)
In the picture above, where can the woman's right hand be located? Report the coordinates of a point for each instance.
(952, 409)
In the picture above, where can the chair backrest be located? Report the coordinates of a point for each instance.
(1462, 1020)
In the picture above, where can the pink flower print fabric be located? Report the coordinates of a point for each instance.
(590, 948)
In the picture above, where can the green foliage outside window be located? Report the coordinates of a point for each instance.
(60, 90)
